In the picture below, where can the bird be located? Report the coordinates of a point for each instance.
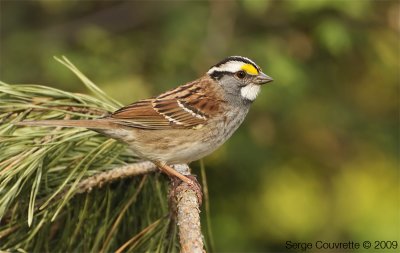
(186, 123)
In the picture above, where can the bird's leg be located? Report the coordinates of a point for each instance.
(191, 180)
(172, 172)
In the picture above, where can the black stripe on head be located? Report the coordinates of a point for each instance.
(237, 58)
(216, 75)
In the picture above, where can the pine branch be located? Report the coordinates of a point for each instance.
(126, 171)
(120, 206)
(186, 201)
(188, 215)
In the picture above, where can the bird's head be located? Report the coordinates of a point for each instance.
(239, 77)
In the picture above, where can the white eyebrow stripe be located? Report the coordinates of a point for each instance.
(230, 66)
(190, 111)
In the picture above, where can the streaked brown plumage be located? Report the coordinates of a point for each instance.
(186, 123)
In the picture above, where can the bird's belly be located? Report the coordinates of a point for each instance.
(175, 146)
(184, 146)
(180, 146)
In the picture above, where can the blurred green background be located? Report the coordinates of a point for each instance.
(318, 155)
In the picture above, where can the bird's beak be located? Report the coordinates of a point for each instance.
(263, 78)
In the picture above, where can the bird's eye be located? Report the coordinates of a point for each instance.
(241, 74)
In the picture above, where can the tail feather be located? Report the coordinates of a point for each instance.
(93, 124)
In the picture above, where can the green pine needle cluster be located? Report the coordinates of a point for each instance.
(40, 164)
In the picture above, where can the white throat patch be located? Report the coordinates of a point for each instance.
(250, 91)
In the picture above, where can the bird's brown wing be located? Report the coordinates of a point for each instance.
(187, 106)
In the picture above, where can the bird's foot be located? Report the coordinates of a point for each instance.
(194, 185)
(191, 180)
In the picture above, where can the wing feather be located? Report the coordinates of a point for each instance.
(186, 106)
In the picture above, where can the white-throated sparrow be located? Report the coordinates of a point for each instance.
(184, 124)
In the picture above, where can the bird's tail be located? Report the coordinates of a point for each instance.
(92, 124)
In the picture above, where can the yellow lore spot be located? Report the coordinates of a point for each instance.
(250, 69)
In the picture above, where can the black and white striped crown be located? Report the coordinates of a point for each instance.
(234, 64)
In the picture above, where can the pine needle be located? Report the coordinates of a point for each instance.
(39, 163)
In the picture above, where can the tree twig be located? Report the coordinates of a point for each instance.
(188, 215)
(130, 170)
